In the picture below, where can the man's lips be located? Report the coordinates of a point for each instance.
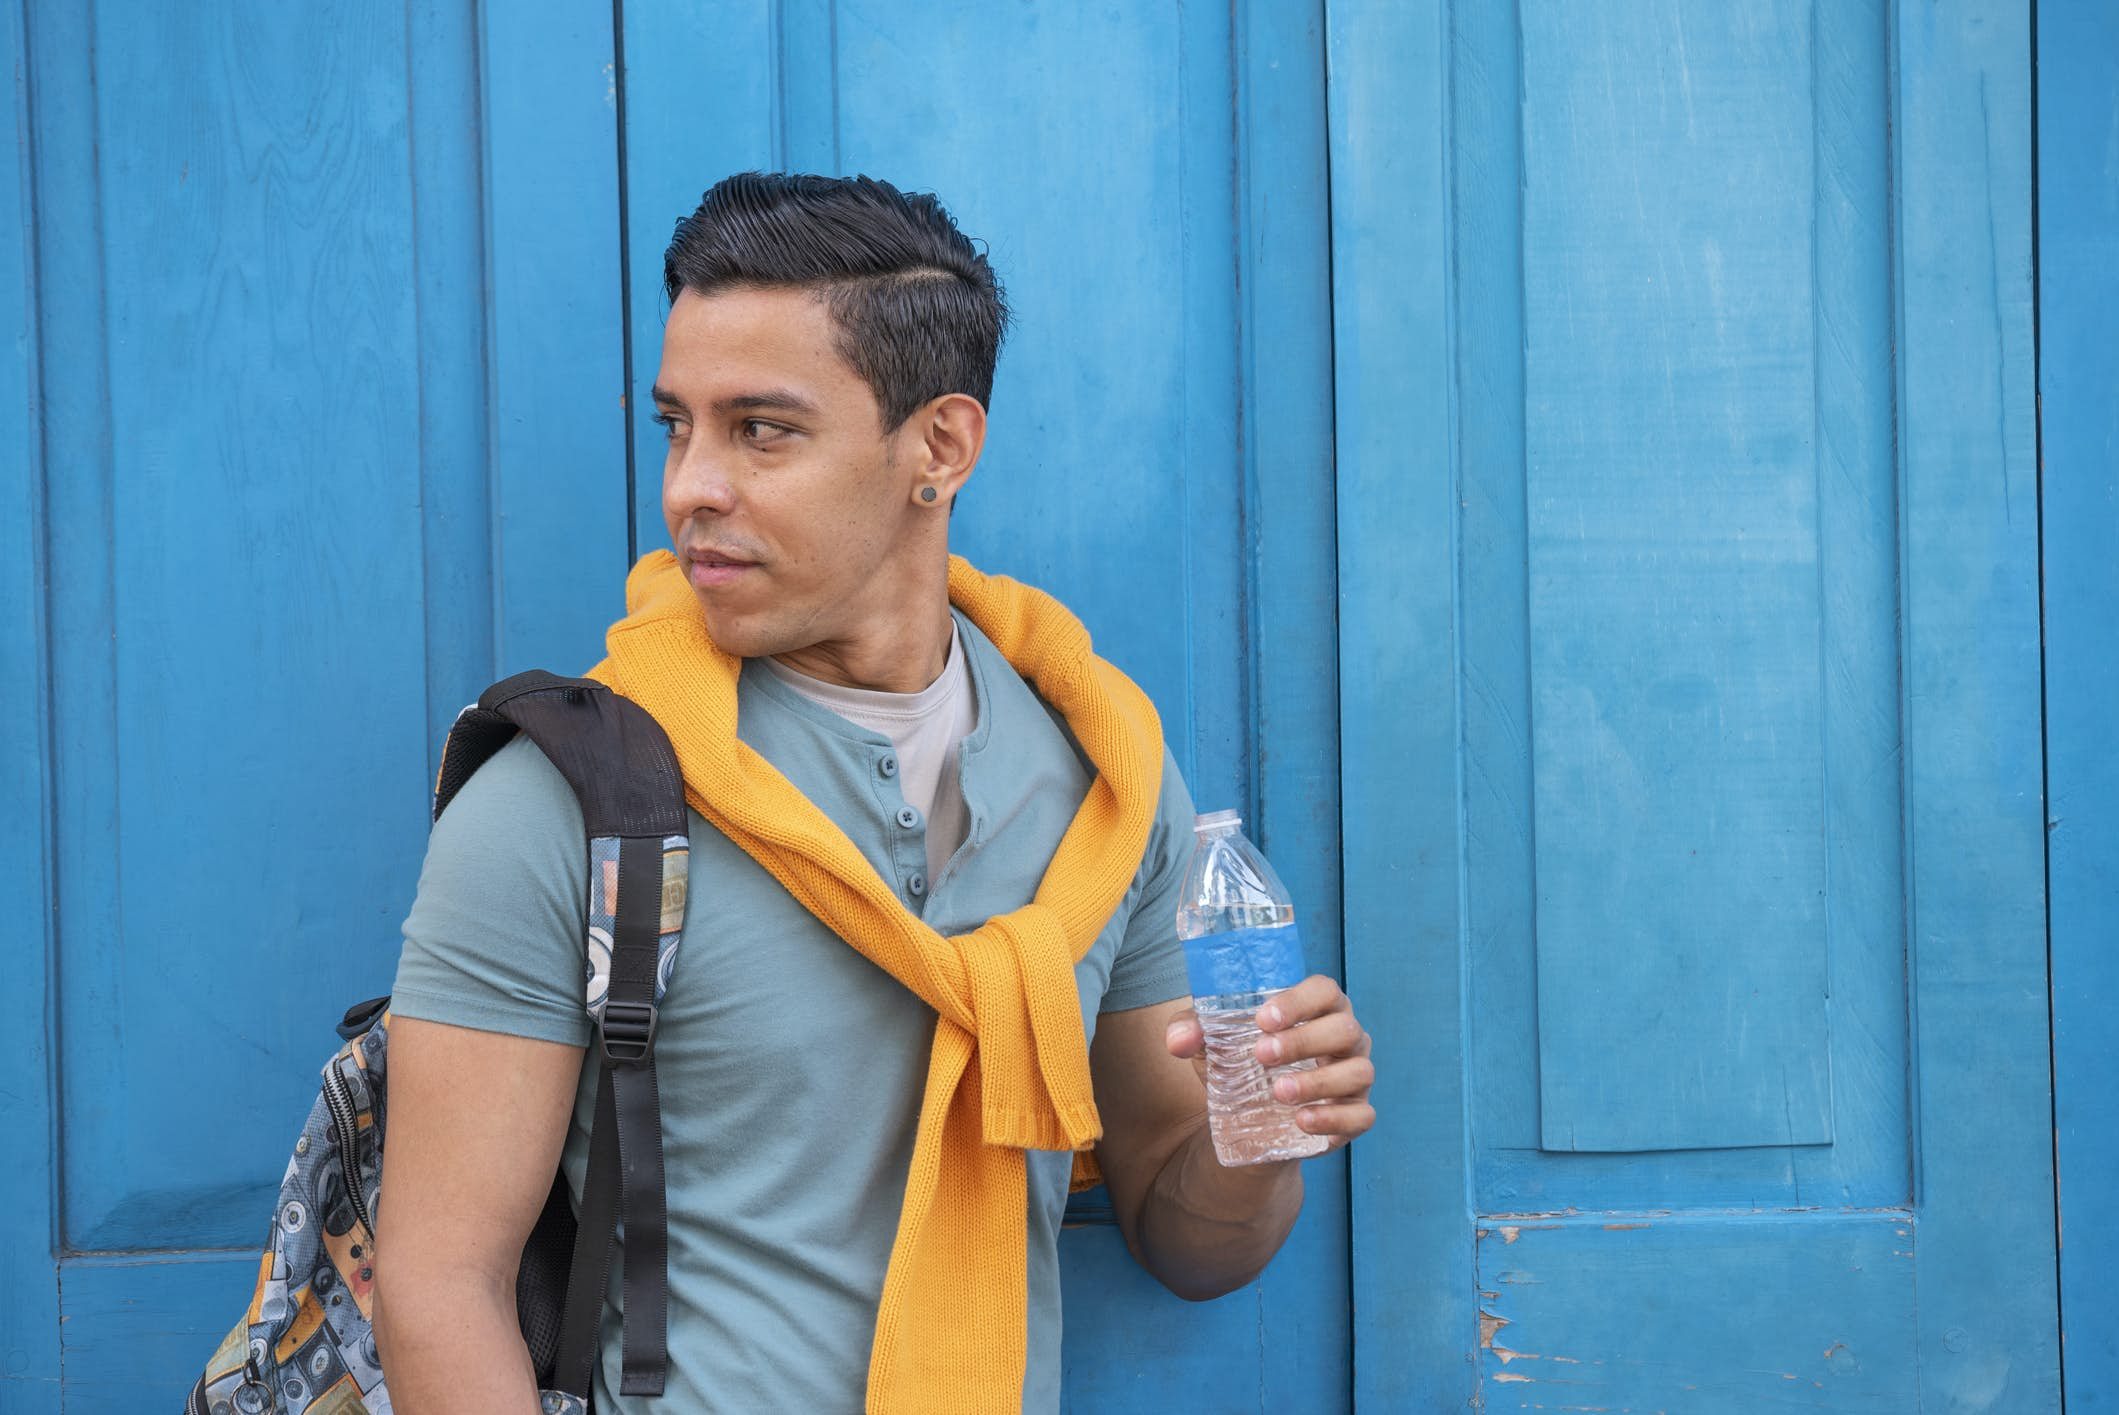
(708, 569)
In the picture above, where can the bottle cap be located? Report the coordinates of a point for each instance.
(1216, 820)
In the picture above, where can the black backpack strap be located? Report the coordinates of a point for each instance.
(625, 775)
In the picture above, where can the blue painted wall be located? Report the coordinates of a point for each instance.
(2078, 376)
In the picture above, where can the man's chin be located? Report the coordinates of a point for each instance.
(740, 635)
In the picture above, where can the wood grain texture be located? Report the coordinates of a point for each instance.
(554, 331)
(1397, 407)
(456, 520)
(700, 83)
(1111, 473)
(1676, 735)
(236, 558)
(29, 1290)
(2078, 276)
(1988, 1329)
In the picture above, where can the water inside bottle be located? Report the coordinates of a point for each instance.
(1249, 1125)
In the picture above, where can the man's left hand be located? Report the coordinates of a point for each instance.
(1312, 1020)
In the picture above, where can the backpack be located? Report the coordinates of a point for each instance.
(306, 1345)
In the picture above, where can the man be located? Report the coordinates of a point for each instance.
(826, 367)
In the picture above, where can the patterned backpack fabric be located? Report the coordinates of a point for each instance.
(306, 1344)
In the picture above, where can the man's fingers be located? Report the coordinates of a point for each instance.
(1347, 1080)
(1333, 1035)
(1315, 996)
(1184, 1037)
(1341, 1122)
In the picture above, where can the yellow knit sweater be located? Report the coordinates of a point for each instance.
(1010, 1067)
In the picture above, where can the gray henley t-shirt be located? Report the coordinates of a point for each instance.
(791, 1068)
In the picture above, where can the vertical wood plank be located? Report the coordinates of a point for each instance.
(1111, 471)
(555, 322)
(1291, 583)
(448, 235)
(236, 584)
(29, 1290)
(806, 83)
(2078, 277)
(1968, 503)
(1390, 120)
(699, 82)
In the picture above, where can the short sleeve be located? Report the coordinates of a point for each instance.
(1150, 966)
(494, 940)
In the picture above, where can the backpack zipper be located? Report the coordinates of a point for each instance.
(345, 1120)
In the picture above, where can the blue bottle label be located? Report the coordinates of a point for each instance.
(1244, 960)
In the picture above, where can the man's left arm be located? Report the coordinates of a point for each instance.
(1202, 1229)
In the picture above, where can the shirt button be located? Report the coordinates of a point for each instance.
(917, 884)
(908, 817)
(888, 766)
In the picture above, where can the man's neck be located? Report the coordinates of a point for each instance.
(902, 657)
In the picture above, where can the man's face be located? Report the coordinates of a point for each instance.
(786, 501)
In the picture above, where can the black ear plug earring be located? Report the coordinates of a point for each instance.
(927, 493)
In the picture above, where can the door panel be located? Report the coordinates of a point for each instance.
(239, 513)
(1649, 993)
(1742, 786)
(278, 558)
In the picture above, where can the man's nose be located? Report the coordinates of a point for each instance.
(697, 483)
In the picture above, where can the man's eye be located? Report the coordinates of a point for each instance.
(759, 431)
(668, 424)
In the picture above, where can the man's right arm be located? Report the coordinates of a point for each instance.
(487, 1033)
(477, 1120)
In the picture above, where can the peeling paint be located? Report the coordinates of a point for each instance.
(1621, 1227)
(1488, 1325)
(1511, 1376)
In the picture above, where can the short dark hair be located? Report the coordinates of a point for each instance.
(919, 310)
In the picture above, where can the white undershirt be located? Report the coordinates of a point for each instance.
(925, 728)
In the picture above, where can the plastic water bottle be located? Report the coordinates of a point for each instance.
(1241, 947)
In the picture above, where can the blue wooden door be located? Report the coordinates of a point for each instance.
(267, 531)
(1691, 705)
(335, 335)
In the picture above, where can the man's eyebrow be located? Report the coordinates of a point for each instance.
(765, 400)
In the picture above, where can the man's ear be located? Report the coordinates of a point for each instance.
(952, 431)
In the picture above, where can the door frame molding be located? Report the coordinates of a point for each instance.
(2078, 104)
(29, 1268)
(1415, 1312)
